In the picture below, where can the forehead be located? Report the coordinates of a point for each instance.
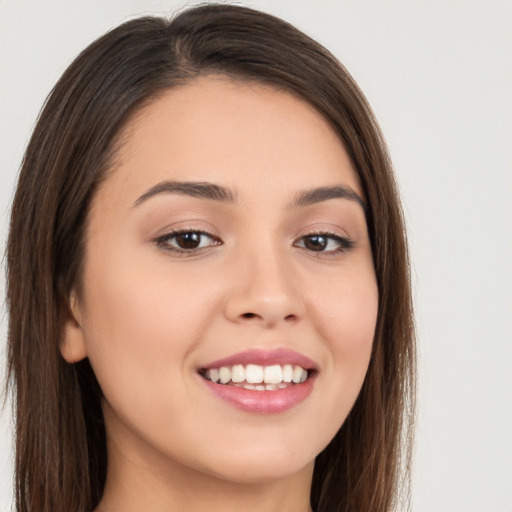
(236, 133)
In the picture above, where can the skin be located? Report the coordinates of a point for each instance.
(148, 316)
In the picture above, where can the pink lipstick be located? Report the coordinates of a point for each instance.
(261, 381)
(264, 358)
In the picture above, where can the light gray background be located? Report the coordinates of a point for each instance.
(438, 74)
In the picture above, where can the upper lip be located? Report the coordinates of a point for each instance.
(264, 358)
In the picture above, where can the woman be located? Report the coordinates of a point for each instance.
(207, 279)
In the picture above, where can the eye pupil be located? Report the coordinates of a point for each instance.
(190, 240)
(315, 243)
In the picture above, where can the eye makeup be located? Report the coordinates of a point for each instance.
(187, 241)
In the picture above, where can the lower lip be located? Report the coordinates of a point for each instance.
(263, 402)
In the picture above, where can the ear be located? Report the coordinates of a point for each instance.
(72, 346)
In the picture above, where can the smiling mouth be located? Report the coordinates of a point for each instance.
(256, 377)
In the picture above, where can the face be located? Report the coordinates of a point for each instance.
(229, 299)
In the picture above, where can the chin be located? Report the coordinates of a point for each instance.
(261, 463)
(263, 471)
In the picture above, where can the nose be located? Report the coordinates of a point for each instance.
(264, 290)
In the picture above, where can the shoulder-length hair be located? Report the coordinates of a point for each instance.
(61, 456)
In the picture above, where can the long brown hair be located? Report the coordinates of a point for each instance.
(61, 457)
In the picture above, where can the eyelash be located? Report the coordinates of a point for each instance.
(344, 244)
(164, 241)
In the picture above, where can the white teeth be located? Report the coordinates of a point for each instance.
(214, 374)
(256, 377)
(254, 374)
(238, 373)
(287, 373)
(297, 374)
(225, 375)
(273, 374)
(261, 387)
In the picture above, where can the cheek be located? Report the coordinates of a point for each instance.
(347, 310)
(346, 319)
(141, 323)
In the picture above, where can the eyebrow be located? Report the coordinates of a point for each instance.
(199, 189)
(206, 190)
(317, 195)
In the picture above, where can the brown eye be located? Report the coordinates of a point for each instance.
(190, 240)
(316, 242)
(187, 241)
(325, 243)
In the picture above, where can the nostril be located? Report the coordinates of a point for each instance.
(248, 315)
